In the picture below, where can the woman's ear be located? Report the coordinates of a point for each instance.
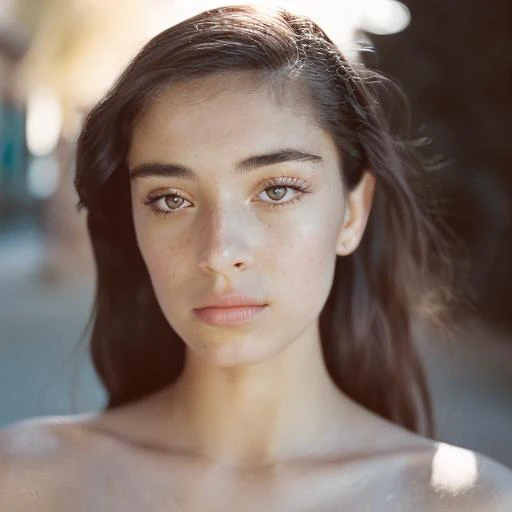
(357, 210)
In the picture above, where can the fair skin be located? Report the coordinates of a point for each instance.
(254, 422)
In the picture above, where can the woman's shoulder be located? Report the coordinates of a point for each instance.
(41, 459)
(419, 473)
(45, 437)
(444, 477)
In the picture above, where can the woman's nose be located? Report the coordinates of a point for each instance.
(226, 248)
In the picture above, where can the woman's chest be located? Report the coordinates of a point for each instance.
(198, 487)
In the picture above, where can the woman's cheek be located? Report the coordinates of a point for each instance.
(307, 265)
(163, 263)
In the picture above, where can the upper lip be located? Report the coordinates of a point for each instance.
(230, 301)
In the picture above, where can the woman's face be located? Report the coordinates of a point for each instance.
(237, 192)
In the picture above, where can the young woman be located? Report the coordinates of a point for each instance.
(261, 253)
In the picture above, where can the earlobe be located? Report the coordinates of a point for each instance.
(347, 242)
(357, 210)
(345, 239)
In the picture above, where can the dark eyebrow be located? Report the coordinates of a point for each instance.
(244, 166)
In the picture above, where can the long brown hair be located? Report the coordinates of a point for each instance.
(365, 325)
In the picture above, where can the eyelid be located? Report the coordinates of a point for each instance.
(268, 182)
(167, 191)
(284, 181)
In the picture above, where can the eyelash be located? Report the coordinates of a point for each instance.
(281, 182)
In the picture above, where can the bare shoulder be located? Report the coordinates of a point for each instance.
(40, 460)
(447, 478)
(418, 473)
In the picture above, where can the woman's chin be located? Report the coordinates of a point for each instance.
(234, 353)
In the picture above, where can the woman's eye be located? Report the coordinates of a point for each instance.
(276, 193)
(166, 203)
(287, 188)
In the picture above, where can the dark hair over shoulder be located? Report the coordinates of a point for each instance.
(366, 323)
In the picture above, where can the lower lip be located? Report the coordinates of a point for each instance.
(228, 316)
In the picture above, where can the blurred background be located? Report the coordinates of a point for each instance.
(453, 59)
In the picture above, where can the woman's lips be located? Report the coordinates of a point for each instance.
(228, 316)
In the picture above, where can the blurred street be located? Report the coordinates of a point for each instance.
(470, 377)
(41, 363)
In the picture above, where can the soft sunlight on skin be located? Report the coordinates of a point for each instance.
(454, 469)
(226, 218)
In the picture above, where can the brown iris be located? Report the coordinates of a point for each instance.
(276, 188)
(173, 201)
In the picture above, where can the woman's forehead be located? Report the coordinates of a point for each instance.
(202, 88)
(223, 113)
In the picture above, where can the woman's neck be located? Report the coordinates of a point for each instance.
(260, 414)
